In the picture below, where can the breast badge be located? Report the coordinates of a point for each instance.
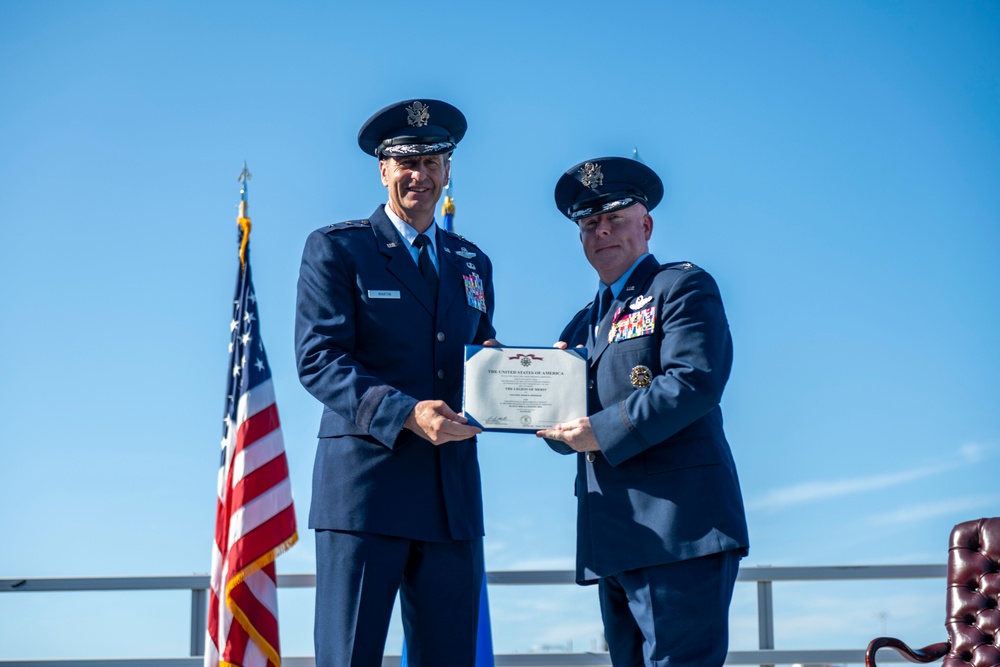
(474, 294)
(640, 301)
(641, 377)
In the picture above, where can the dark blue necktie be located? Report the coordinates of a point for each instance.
(605, 304)
(426, 265)
(602, 309)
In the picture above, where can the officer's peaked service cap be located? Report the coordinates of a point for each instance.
(606, 184)
(413, 127)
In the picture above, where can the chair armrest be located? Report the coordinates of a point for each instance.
(925, 654)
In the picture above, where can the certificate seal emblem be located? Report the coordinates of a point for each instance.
(525, 359)
(526, 420)
(641, 377)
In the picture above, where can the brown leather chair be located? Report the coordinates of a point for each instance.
(973, 620)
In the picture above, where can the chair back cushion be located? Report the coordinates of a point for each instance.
(973, 620)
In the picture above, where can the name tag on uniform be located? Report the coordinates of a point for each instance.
(383, 294)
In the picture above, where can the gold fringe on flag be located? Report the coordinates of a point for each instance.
(238, 614)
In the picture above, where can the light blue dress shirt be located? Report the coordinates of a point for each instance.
(409, 234)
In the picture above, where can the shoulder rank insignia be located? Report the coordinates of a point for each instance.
(464, 252)
(633, 325)
(640, 301)
(348, 224)
(455, 235)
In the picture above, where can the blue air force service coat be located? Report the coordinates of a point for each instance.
(369, 345)
(664, 486)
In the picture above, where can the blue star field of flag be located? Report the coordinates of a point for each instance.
(247, 358)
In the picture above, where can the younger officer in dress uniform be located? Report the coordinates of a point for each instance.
(385, 307)
(660, 520)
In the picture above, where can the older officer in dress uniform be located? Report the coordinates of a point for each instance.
(386, 305)
(660, 522)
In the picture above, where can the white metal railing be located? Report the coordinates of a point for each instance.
(765, 576)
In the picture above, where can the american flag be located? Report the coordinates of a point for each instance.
(255, 518)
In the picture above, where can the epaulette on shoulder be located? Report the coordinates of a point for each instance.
(679, 266)
(456, 235)
(349, 224)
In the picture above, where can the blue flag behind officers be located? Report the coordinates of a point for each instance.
(660, 520)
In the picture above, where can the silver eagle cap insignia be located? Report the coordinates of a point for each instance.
(418, 114)
(591, 176)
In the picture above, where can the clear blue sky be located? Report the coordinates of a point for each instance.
(836, 167)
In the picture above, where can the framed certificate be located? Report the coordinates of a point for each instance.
(523, 389)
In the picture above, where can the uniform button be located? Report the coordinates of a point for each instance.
(440, 336)
(591, 384)
(440, 375)
(591, 456)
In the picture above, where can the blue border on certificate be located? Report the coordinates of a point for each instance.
(477, 420)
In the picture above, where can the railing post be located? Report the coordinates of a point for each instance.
(765, 617)
(199, 620)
